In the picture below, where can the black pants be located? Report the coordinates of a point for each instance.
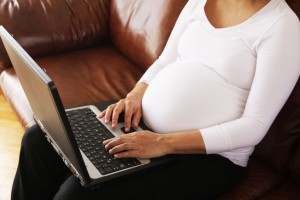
(42, 175)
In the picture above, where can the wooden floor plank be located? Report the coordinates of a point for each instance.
(11, 133)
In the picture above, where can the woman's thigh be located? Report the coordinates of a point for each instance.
(40, 170)
(191, 177)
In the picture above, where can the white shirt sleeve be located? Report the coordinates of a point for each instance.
(277, 71)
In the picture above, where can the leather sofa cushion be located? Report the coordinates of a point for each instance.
(277, 148)
(81, 24)
(140, 28)
(82, 77)
(295, 165)
(258, 179)
(287, 190)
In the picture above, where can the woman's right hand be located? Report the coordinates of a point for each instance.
(131, 106)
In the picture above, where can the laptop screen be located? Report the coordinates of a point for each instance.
(45, 102)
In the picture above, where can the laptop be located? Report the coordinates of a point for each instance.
(76, 134)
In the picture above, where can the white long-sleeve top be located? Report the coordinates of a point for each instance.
(229, 83)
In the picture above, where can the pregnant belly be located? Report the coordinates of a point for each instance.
(189, 96)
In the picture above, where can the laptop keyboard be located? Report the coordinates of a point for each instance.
(89, 134)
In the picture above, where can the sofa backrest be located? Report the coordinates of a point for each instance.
(46, 27)
(140, 28)
(277, 149)
(278, 146)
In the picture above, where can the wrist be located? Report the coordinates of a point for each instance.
(138, 91)
(167, 143)
(183, 143)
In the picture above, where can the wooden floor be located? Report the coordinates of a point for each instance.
(10, 137)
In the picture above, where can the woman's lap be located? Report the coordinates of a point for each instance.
(40, 170)
(192, 177)
(41, 173)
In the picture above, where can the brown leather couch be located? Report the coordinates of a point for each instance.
(96, 50)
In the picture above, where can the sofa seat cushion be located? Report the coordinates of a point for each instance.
(288, 190)
(258, 179)
(82, 77)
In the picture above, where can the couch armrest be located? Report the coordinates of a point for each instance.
(46, 27)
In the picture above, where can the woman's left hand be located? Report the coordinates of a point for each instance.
(140, 144)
